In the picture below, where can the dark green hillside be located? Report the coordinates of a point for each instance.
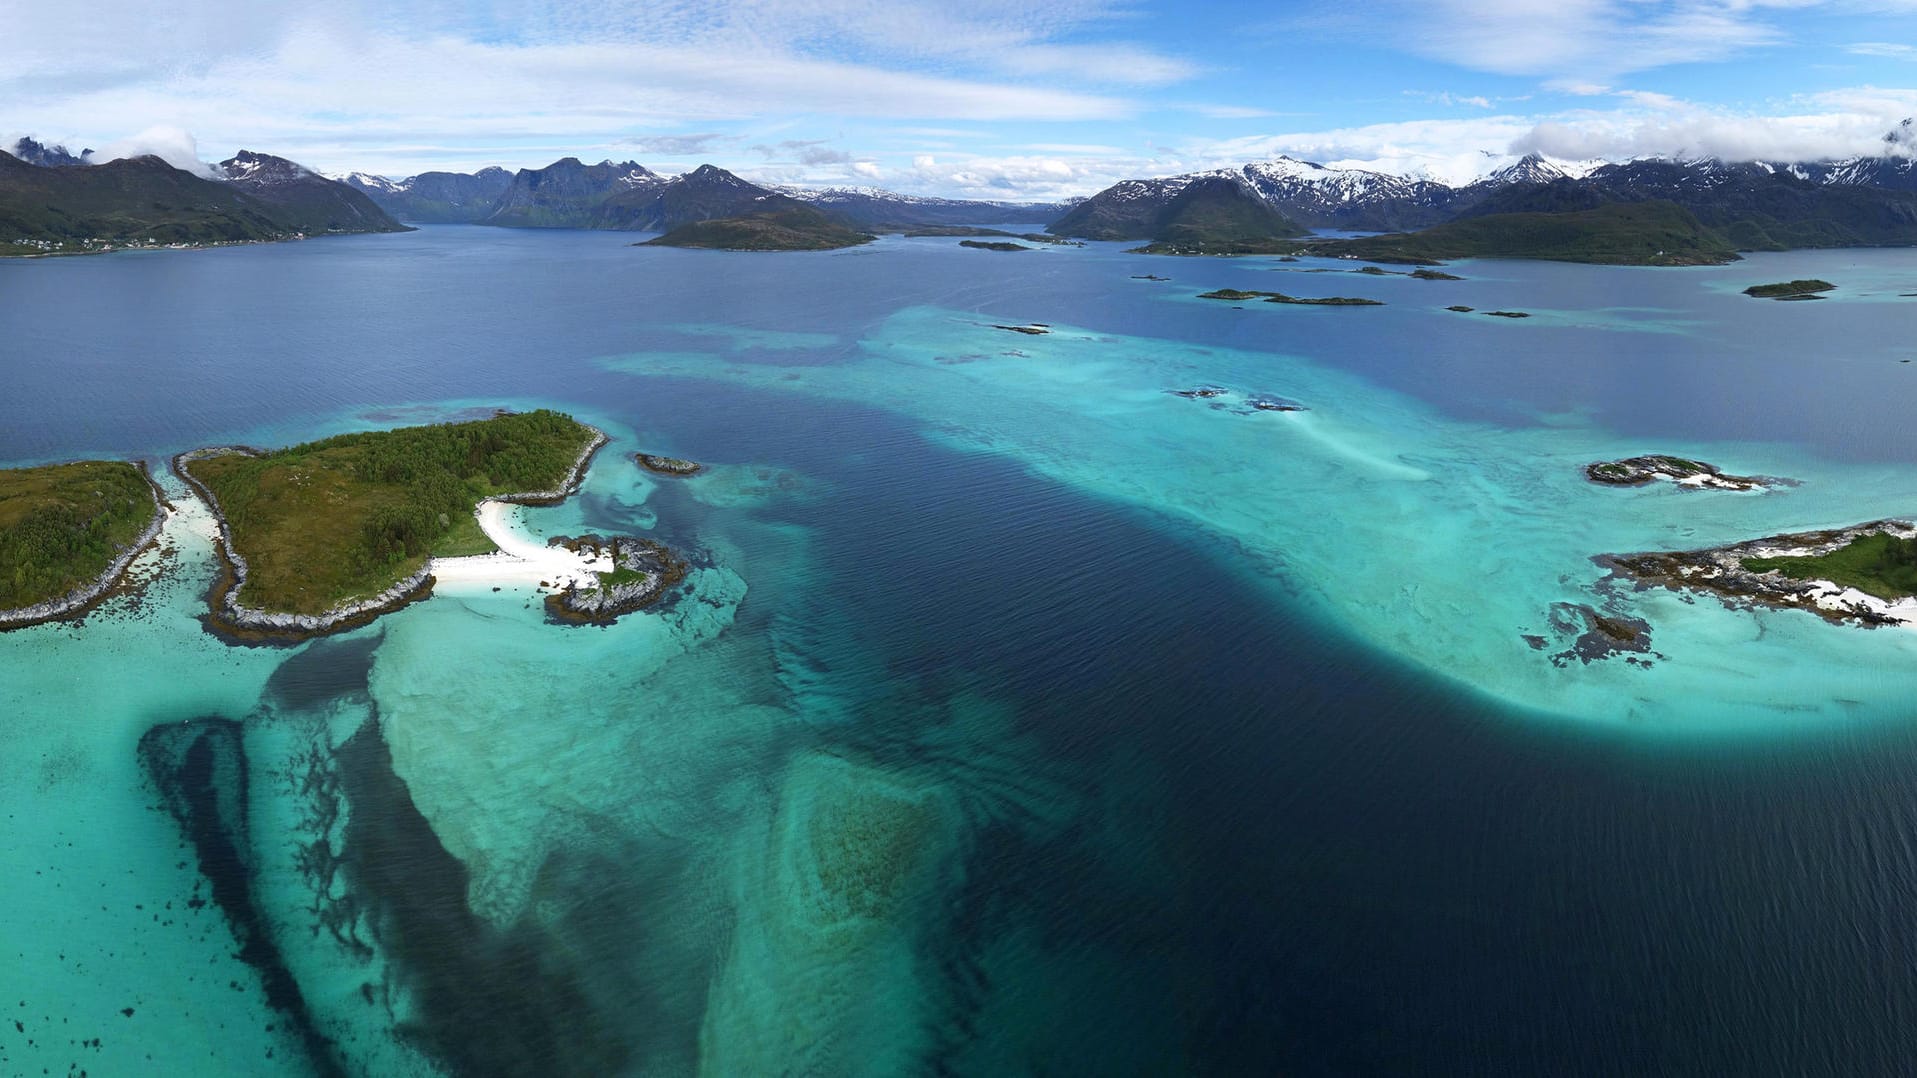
(794, 227)
(1218, 217)
(1753, 207)
(1625, 234)
(140, 199)
(62, 526)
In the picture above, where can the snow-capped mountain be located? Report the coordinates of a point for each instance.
(312, 202)
(874, 207)
(1348, 198)
(262, 169)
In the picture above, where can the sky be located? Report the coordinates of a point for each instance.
(1000, 99)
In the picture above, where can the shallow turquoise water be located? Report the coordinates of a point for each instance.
(1019, 716)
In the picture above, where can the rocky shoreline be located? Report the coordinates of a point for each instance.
(231, 619)
(1721, 572)
(84, 598)
(657, 566)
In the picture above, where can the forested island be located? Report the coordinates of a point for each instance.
(67, 534)
(1239, 295)
(791, 226)
(1805, 288)
(330, 534)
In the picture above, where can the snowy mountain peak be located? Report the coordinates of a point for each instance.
(366, 181)
(1531, 168)
(262, 168)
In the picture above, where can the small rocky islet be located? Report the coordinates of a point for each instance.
(1682, 471)
(663, 465)
(643, 572)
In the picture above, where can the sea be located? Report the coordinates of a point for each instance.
(1038, 703)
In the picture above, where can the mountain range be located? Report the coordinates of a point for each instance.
(1869, 200)
(51, 201)
(629, 196)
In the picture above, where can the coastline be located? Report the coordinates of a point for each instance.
(238, 623)
(210, 245)
(87, 596)
(1720, 571)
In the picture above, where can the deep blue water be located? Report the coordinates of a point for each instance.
(1284, 852)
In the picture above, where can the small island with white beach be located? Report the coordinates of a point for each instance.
(327, 536)
(1862, 575)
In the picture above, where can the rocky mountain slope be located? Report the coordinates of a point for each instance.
(302, 198)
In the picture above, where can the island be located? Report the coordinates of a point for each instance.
(993, 245)
(331, 534)
(1806, 288)
(1660, 467)
(679, 466)
(793, 227)
(1864, 575)
(977, 232)
(1508, 314)
(68, 533)
(1238, 294)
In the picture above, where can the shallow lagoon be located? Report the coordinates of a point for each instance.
(1021, 716)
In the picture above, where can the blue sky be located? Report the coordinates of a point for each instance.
(993, 98)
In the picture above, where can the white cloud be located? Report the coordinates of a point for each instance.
(1886, 49)
(312, 82)
(1668, 127)
(170, 144)
(1569, 42)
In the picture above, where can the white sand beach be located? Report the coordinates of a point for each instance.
(520, 560)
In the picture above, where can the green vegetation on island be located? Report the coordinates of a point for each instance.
(336, 520)
(63, 526)
(1876, 563)
(1805, 288)
(993, 245)
(789, 228)
(1626, 234)
(1235, 294)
